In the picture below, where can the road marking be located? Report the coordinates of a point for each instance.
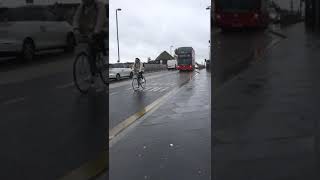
(126, 123)
(13, 101)
(155, 104)
(148, 88)
(90, 169)
(156, 89)
(164, 89)
(148, 77)
(65, 85)
(151, 88)
(114, 93)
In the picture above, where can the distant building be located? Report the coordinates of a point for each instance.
(163, 58)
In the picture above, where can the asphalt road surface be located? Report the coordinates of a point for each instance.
(233, 51)
(170, 142)
(47, 127)
(124, 101)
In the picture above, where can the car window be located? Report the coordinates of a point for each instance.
(27, 14)
(116, 66)
(49, 16)
(126, 65)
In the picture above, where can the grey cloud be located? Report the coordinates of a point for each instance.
(146, 28)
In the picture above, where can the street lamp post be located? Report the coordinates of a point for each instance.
(209, 8)
(171, 50)
(118, 33)
(209, 49)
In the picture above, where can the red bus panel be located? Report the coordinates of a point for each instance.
(241, 13)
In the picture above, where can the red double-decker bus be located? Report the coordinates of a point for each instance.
(185, 58)
(229, 14)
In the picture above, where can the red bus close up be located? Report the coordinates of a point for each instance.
(241, 14)
(186, 58)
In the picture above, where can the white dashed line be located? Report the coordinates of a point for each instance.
(164, 89)
(114, 93)
(65, 85)
(156, 89)
(148, 88)
(13, 101)
(151, 89)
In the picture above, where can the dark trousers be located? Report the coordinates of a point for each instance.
(92, 60)
(96, 46)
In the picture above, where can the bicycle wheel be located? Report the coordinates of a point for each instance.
(143, 82)
(103, 69)
(135, 84)
(82, 73)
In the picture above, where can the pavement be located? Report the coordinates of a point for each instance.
(171, 141)
(265, 124)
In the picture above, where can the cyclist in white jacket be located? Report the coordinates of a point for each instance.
(90, 20)
(138, 68)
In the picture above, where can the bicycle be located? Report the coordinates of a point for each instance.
(138, 81)
(81, 66)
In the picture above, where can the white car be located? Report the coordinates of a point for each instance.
(172, 64)
(119, 71)
(28, 29)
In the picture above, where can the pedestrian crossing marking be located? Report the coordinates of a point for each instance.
(151, 89)
(156, 87)
(164, 89)
(148, 88)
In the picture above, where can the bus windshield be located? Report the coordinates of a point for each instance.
(237, 5)
(184, 61)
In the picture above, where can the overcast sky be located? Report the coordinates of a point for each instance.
(149, 27)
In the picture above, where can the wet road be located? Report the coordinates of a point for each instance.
(267, 119)
(233, 51)
(45, 120)
(47, 128)
(124, 102)
(172, 142)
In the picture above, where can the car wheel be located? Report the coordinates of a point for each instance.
(71, 43)
(118, 77)
(28, 50)
(131, 74)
